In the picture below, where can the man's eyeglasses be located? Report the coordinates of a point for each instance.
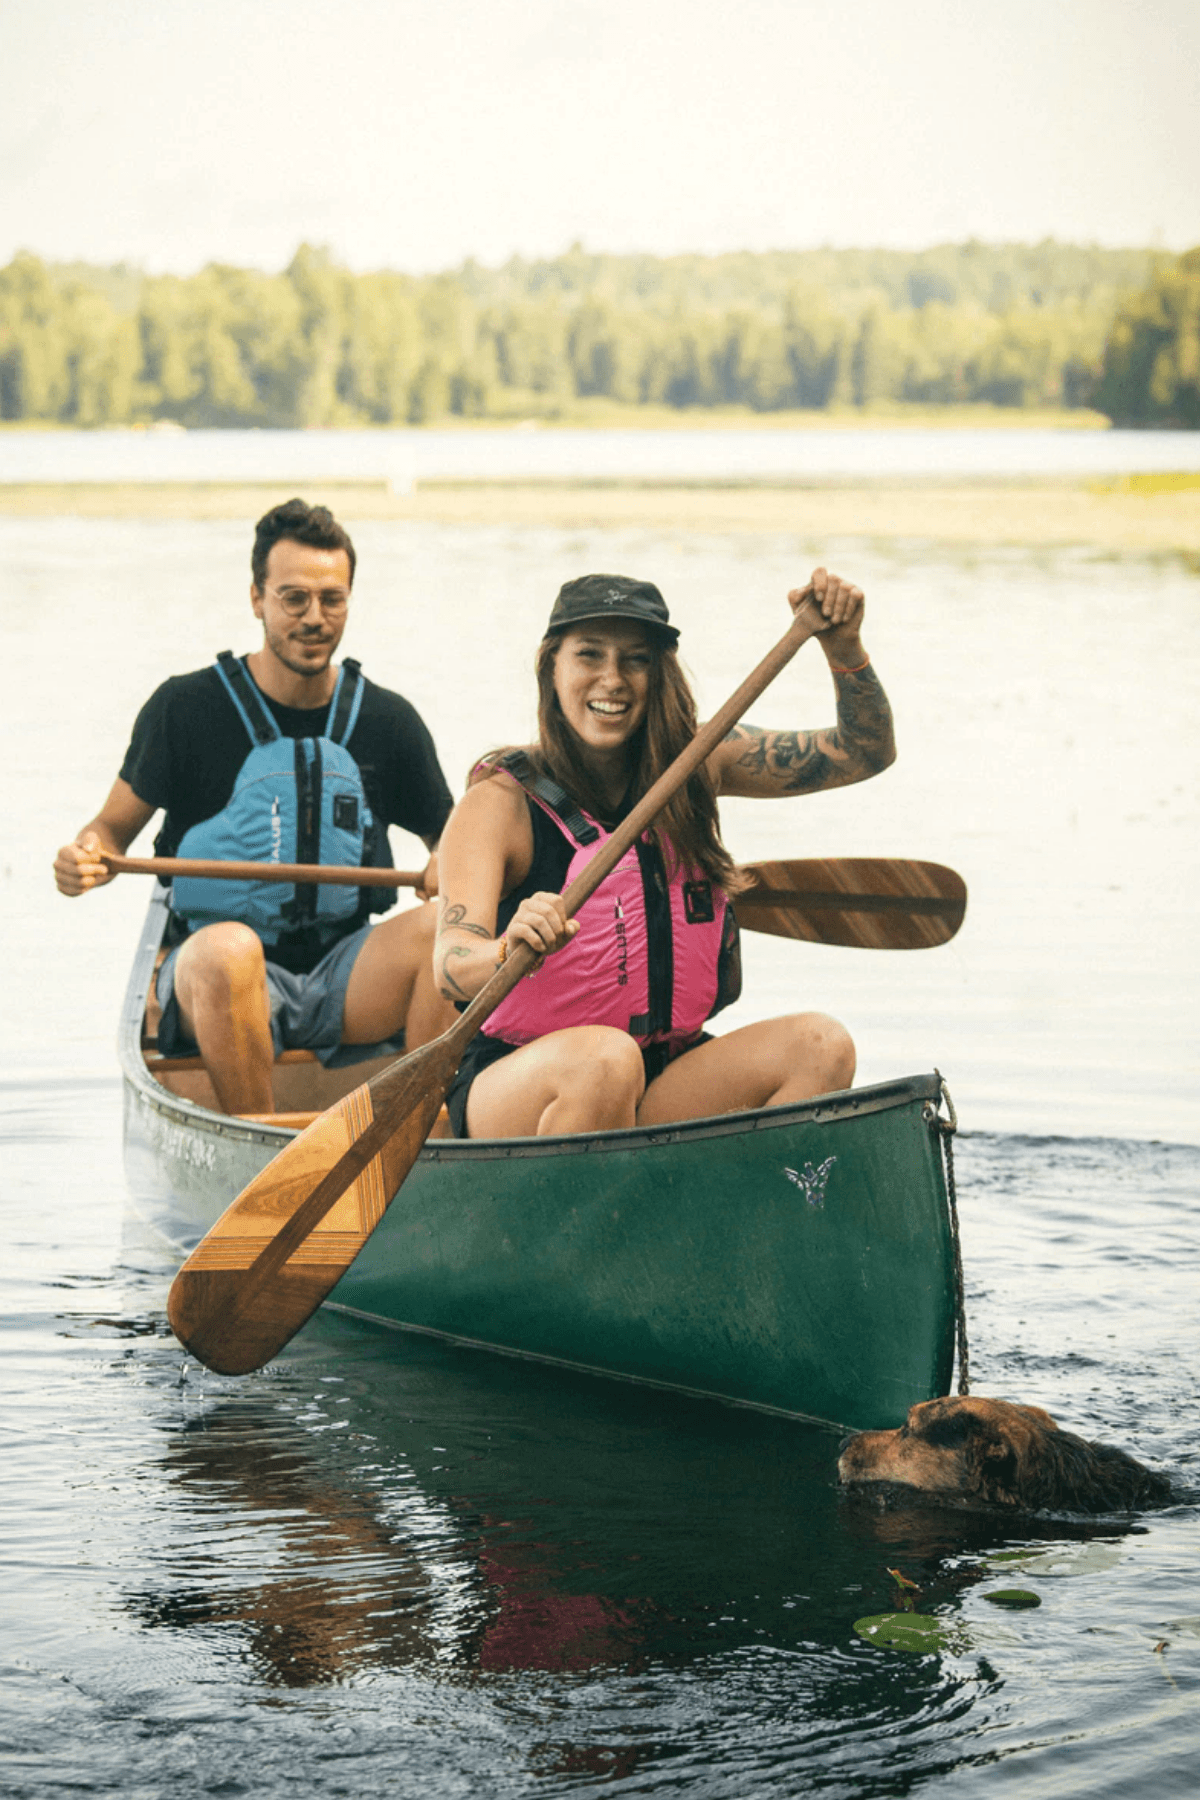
(297, 600)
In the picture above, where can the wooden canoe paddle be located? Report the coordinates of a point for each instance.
(869, 903)
(271, 1258)
(866, 902)
(300, 874)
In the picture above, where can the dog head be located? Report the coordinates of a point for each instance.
(996, 1453)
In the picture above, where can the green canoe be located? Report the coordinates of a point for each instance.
(796, 1259)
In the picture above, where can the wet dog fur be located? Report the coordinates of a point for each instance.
(970, 1450)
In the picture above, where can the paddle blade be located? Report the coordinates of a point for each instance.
(272, 1257)
(867, 903)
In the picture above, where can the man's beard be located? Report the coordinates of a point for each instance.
(283, 647)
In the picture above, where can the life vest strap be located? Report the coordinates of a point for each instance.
(551, 795)
(347, 699)
(255, 714)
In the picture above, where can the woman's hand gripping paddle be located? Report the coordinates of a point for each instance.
(287, 1239)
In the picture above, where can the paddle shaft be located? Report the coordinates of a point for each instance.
(871, 887)
(325, 1195)
(299, 874)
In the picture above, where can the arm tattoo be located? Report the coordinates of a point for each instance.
(454, 918)
(864, 727)
(447, 986)
(803, 762)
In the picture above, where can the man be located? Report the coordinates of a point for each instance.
(255, 970)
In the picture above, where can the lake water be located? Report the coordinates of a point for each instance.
(526, 451)
(384, 1566)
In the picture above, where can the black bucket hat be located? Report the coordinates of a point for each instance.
(612, 597)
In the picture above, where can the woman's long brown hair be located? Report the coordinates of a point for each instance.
(687, 831)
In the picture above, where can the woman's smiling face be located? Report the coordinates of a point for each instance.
(602, 679)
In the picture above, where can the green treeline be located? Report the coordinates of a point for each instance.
(1012, 325)
(1151, 372)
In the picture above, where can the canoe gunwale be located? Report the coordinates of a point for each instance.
(848, 1103)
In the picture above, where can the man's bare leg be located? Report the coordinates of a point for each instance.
(221, 987)
(391, 986)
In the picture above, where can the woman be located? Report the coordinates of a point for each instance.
(608, 1031)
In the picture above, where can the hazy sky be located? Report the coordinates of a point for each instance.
(414, 133)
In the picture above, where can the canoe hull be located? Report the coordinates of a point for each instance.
(694, 1258)
(797, 1259)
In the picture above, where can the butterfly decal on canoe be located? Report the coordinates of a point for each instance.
(812, 1181)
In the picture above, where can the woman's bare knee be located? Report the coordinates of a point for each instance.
(589, 1078)
(604, 1063)
(822, 1053)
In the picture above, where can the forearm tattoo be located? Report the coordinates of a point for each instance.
(447, 986)
(803, 762)
(454, 918)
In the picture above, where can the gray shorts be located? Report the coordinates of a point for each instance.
(306, 1010)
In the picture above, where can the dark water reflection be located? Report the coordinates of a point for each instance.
(385, 1565)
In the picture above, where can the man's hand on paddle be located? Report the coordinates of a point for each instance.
(427, 886)
(77, 867)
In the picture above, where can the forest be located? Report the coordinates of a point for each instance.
(1011, 325)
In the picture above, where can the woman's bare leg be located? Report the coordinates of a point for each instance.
(771, 1063)
(587, 1079)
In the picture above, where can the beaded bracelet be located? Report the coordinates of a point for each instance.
(503, 958)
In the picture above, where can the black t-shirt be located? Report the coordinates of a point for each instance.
(189, 743)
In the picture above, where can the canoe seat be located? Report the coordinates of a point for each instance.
(164, 1064)
(302, 1087)
(297, 1121)
(294, 1121)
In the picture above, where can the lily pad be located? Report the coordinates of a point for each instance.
(1014, 1598)
(910, 1631)
(1095, 1558)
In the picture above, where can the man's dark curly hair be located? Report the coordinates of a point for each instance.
(303, 524)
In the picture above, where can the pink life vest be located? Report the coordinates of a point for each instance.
(653, 956)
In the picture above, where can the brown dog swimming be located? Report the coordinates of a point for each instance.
(966, 1449)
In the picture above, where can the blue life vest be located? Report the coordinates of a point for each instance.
(295, 800)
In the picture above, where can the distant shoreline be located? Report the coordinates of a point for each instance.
(600, 414)
(1138, 513)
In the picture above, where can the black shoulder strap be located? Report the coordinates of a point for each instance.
(249, 702)
(518, 765)
(347, 689)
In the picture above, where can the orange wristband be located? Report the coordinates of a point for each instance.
(856, 670)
